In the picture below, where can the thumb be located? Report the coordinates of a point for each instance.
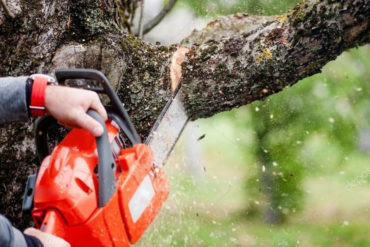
(84, 121)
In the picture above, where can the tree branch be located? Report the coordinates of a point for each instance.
(8, 12)
(140, 32)
(156, 20)
(238, 59)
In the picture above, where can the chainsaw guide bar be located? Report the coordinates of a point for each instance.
(167, 129)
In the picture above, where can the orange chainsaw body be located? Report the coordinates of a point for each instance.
(66, 192)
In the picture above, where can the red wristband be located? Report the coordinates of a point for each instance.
(37, 106)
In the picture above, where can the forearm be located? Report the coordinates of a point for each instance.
(13, 105)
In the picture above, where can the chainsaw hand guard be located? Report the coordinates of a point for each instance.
(65, 74)
(116, 111)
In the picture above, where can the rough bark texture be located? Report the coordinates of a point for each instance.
(238, 59)
(235, 60)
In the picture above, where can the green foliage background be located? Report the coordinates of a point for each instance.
(253, 7)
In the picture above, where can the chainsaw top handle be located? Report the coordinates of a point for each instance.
(117, 107)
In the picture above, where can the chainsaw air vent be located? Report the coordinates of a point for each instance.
(83, 186)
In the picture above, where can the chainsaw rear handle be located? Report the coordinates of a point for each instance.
(106, 164)
(64, 74)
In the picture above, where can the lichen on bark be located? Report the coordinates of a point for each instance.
(258, 56)
(150, 66)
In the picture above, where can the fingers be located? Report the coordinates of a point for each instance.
(46, 239)
(30, 231)
(69, 106)
(98, 106)
(84, 121)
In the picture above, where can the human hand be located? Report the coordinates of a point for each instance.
(47, 239)
(69, 107)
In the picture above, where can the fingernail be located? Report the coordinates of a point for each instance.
(98, 131)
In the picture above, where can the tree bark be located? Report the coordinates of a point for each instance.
(238, 59)
(235, 60)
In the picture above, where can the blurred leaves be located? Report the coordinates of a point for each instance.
(309, 129)
(211, 8)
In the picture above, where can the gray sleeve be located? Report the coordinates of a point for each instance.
(13, 105)
(19, 240)
(9, 236)
(6, 233)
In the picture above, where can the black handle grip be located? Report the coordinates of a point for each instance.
(65, 74)
(106, 164)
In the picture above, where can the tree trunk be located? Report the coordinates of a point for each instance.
(268, 185)
(235, 60)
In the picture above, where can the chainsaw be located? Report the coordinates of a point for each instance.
(102, 191)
